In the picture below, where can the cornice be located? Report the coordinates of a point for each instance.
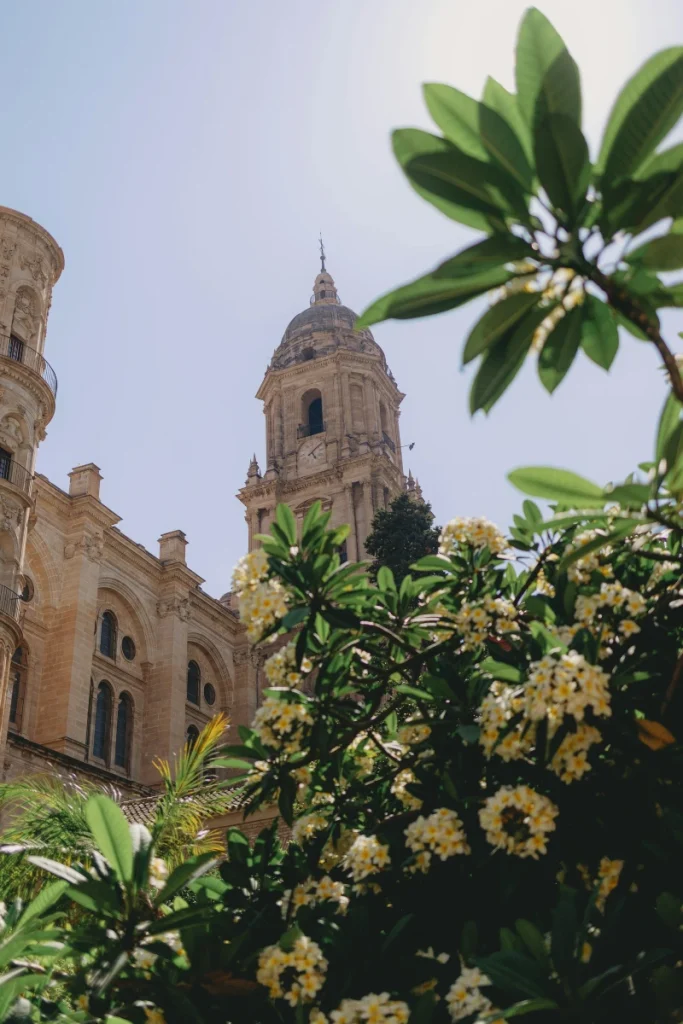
(27, 223)
(27, 378)
(84, 509)
(369, 463)
(214, 610)
(275, 377)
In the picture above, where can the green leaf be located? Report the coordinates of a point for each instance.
(54, 867)
(503, 361)
(46, 898)
(538, 47)
(664, 253)
(184, 875)
(532, 513)
(286, 521)
(533, 940)
(486, 255)
(562, 163)
(496, 321)
(457, 115)
(429, 295)
(293, 618)
(109, 827)
(528, 1006)
(564, 930)
(668, 160)
(645, 111)
(599, 334)
(501, 671)
(409, 143)
(668, 421)
(413, 691)
(503, 145)
(458, 179)
(560, 348)
(557, 485)
(620, 531)
(497, 97)
(385, 579)
(514, 972)
(628, 495)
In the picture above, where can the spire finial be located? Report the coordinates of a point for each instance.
(322, 254)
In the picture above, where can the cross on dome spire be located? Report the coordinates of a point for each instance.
(324, 291)
(322, 254)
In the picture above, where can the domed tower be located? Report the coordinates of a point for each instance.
(332, 434)
(30, 263)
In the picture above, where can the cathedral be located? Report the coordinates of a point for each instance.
(110, 655)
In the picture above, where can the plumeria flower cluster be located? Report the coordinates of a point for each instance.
(440, 833)
(282, 725)
(609, 873)
(310, 892)
(465, 996)
(262, 601)
(307, 826)
(591, 610)
(581, 570)
(367, 856)
(281, 668)
(476, 620)
(399, 788)
(570, 761)
(158, 873)
(296, 975)
(565, 684)
(477, 532)
(517, 819)
(413, 732)
(145, 958)
(373, 1009)
(364, 753)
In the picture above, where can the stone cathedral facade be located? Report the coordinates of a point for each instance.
(111, 655)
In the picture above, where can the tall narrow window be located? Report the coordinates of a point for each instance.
(102, 729)
(194, 679)
(191, 736)
(124, 722)
(108, 635)
(5, 463)
(18, 674)
(315, 416)
(16, 349)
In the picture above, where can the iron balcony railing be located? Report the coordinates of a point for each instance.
(308, 429)
(9, 602)
(387, 440)
(15, 349)
(15, 474)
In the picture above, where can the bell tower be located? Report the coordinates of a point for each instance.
(331, 407)
(30, 264)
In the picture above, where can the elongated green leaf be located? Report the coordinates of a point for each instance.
(559, 485)
(538, 46)
(485, 255)
(528, 1006)
(497, 321)
(560, 91)
(501, 671)
(645, 111)
(628, 495)
(504, 147)
(503, 360)
(184, 875)
(430, 294)
(599, 334)
(562, 162)
(668, 421)
(457, 115)
(54, 867)
(560, 348)
(408, 143)
(46, 898)
(664, 253)
(286, 521)
(109, 827)
(635, 205)
(457, 178)
(497, 97)
(668, 160)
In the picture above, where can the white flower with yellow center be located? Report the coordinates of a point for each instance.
(517, 820)
(441, 834)
(297, 975)
(476, 532)
(367, 856)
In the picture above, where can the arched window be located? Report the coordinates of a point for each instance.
(124, 730)
(315, 416)
(194, 679)
(191, 736)
(18, 673)
(102, 731)
(311, 413)
(108, 635)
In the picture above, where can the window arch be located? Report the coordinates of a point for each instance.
(102, 730)
(18, 674)
(312, 412)
(191, 736)
(124, 731)
(108, 635)
(194, 680)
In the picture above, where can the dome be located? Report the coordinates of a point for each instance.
(323, 328)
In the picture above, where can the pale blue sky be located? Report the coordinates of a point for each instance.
(185, 154)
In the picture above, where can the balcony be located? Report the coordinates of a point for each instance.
(15, 349)
(387, 440)
(16, 475)
(308, 429)
(9, 603)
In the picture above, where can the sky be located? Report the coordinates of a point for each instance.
(186, 154)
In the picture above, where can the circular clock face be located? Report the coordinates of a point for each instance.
(312, 454)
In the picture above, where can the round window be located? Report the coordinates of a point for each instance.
(209, 694)
(128, 648)
(27, 588)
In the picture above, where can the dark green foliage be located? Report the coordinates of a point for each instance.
(401, 534)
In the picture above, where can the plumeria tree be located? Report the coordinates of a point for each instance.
(477, 772)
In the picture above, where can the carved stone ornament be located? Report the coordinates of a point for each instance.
(240, 657)
(91, 545)
(179, 606)
(4, 270)
(36, 266)
(6, 249)
(10, 514)
(27, 313)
